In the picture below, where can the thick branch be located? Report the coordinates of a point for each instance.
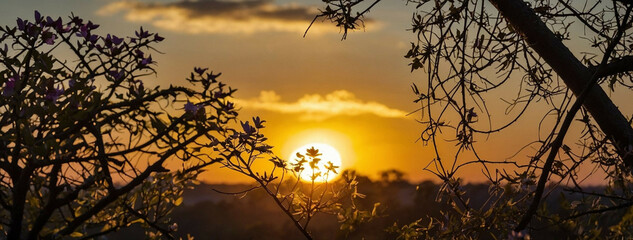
(591, 96)
(115, 194)
(617, 66)
(571, 70)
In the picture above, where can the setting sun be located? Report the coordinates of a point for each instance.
(327, 155)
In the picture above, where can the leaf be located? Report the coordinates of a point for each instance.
(76, 234)
(178, 201)
(138, 220)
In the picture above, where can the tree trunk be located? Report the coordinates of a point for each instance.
(572, 71)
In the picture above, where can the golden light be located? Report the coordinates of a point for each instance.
(327, 157)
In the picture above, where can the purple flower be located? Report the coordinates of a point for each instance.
(84, 31)
(192, 108)
(115, 51)
(77, 21)
(38, 16)
(158, 38)
(111, 39)
(93, 39)
(64, 29)
(48, 38)
(9, 87)
(31, 29)
(142, 33)
(139, 53)
(58, 24)
(21, 24)
(92, 26)
(49, 21)
(107, 41)
(196, 110)
(146, 61)
(258, 122)
(53, 94)
(116, 40)
(117, 75)
(248, 129)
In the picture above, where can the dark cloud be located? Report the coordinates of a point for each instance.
(246, 9)
(237, 9)
(215, 16)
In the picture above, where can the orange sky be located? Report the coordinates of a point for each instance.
(352, 94)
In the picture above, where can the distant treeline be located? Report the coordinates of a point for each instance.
(208, 214)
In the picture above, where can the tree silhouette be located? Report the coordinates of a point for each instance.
(471, 50)
(282, 180)
(86, 147)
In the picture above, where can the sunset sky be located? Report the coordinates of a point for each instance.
(353, 94)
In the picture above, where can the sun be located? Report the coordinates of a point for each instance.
(327, 156)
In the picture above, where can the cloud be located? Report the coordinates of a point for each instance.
(221, 16)
(318, 107)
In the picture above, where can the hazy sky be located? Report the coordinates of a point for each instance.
(353, 94)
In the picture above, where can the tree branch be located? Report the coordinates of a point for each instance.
(114, 195)
(581, 99)
(617, 66)
(571, 71)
